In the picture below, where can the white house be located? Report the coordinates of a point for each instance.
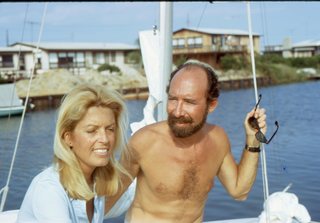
(307, 48)
(14, 61)
(76, 57)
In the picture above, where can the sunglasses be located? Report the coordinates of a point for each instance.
(253, 122)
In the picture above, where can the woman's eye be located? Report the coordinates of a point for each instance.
(111, 129)
(90, 131)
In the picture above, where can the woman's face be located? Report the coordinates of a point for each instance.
(93, 138)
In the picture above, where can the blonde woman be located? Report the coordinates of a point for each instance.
(91, 128)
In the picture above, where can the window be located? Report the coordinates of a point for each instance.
(178, 43)
(198, 41)
(80, 59)
(113, 56)
(107, 57)
(22, 62)
(53, 60)
(65, 61)
(213, 39)
(181, 43)
(98, 58)
(6, 60)
(174, 43)
(191, 42)
(194, 42)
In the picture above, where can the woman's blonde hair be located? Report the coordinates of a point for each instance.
(73, 108)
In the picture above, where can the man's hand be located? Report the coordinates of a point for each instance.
(260, 116)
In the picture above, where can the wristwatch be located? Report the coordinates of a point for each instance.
(252, 149)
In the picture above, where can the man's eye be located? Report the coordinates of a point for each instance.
(190, 102)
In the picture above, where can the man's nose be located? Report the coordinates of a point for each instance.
(178, 111)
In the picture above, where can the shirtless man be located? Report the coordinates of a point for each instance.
(175, 161)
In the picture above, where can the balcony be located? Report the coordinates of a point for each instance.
(210, 49)
(6, 65)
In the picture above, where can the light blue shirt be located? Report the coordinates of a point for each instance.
(46, 201)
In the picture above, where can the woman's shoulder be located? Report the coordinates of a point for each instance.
(47, 183)
(49, 173)
(47, 178)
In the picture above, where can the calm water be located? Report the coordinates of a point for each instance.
(293, 156)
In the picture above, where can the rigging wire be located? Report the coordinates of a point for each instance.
(263, 154)
(6, 188)
(280, 163)
(264, 24)
(18, 65)
(204, 9)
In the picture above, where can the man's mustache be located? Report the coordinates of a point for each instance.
(174, 119)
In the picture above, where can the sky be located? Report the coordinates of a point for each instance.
(120, 22)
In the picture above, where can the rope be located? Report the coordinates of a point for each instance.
(204, 9)
(5, 189)
(19, 54)
(263, 155)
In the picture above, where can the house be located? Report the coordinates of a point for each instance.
(306, 48)
(210, 45)
(14, 61)
(76, 57)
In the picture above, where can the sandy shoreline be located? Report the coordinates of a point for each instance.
(59, 82)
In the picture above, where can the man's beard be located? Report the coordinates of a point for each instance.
(189, 129)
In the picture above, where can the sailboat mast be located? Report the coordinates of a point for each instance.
(166, 11)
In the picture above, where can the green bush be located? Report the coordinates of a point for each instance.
(134, 57)
(303, 62)
(270, 58)
(109, 67)
(229, 62)
(280, 73)
(180, 60)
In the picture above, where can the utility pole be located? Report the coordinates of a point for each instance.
(32, 23)
(7, 37)
(188, 20)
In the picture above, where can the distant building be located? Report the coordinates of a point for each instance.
(210, 45)
(14, 61)
(76, 57)
(306, 48)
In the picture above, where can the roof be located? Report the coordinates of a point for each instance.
(219, 31)
(12, 50)
(307, 43)
(80, 46)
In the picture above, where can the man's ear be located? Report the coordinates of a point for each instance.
(212, 105)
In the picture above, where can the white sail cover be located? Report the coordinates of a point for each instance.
(150, 49)
(9, 96)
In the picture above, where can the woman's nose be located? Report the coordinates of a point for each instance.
(103, 136)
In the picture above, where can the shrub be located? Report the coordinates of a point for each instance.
(229, 62)
(134, 57)
(303, 62)
(280, 73)
(270, 58)
(180, 60)
(109, 67)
